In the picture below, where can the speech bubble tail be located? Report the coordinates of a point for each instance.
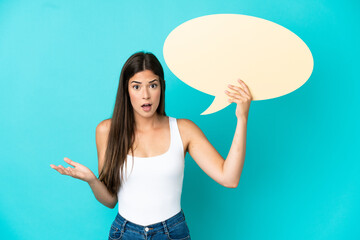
(217, 104)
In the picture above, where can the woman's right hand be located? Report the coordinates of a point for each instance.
(79, 171)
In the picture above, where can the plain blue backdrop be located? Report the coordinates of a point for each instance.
(59, 67)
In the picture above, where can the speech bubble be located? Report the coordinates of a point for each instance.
(212, 51)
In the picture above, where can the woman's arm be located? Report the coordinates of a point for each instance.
(235, 160)
(99, 189)
(102, 194)
(81, 172)
(225, 172)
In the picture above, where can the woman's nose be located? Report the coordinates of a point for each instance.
(146, 93)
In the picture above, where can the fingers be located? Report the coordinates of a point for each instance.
(234, 96)
(239, 94)
(62, 170)
(69, 161)
(242, 93)
(246, 89)
(238, 89)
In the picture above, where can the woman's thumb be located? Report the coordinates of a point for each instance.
(69, 161)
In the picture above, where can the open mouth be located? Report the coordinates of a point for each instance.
(146, 107)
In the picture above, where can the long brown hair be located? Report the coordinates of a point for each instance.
(122, 135)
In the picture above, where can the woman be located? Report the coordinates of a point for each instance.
(141, 155)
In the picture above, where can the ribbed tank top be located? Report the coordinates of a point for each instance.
(152, 187)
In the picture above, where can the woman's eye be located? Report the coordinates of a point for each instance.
(135, 86)
(154, 85)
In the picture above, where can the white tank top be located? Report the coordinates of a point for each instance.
(151, 191)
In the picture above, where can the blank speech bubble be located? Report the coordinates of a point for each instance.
(212, 51)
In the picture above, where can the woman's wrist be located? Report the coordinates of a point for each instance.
(92, 179)
(242, 119)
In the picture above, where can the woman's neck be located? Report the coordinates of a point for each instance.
(145, 124)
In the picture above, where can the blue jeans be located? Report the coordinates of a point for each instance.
(174, 228)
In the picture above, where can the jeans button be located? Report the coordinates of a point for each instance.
(146, 229)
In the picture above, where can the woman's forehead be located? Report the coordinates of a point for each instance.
(146, 76)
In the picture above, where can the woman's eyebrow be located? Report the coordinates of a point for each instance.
(140, 82)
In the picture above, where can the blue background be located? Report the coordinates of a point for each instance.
(59, 67)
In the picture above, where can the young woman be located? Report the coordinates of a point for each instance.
(141, 155)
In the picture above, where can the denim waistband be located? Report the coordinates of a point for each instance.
(122, 222)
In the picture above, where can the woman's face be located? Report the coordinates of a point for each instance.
(144, 88)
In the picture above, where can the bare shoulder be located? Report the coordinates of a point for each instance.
(188, 130)
(102, 131)
(186, 124)
(104, 126)
(101, 136)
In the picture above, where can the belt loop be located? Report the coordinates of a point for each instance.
(183, 213)
(123, 226)
(165, 227)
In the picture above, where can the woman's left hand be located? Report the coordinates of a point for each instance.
(242, 97)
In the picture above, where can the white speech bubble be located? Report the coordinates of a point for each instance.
(212, 51)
